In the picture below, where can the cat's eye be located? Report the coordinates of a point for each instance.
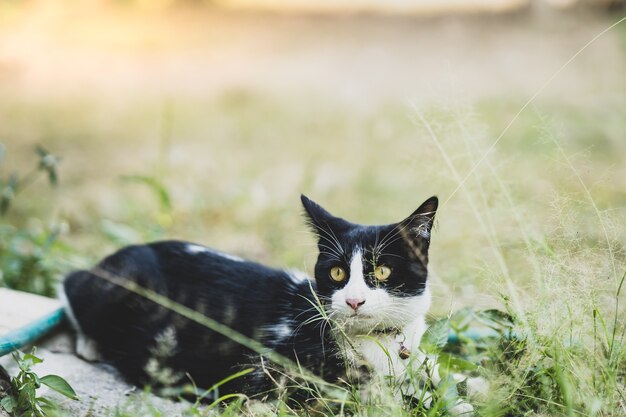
(337, 274)
(382, 272)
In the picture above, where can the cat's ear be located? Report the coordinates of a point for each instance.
(318, 216)
(416, 228)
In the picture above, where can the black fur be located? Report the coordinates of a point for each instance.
(251, 298)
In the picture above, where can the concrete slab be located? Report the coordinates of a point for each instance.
(19, 308)
(101, 389)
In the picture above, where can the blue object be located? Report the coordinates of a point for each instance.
(474, 334)
(29, 333)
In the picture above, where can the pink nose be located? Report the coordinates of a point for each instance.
(354, 303)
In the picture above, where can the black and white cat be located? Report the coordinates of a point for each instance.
(371, 282)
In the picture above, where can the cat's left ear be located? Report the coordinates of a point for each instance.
(416, 228)
(319, 217)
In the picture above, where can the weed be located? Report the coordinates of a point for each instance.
(14, 183)
(26, 263)
(22, 399)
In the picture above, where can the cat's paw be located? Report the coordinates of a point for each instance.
(477, 387)
(87, 349)
(461, 408)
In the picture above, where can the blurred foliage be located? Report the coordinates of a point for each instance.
(25, 260)
(14, 183)
(530, 374)
(26, 254)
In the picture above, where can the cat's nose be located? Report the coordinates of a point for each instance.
(355, 303)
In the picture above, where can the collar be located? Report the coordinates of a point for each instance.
(403, 351)
(391, 331)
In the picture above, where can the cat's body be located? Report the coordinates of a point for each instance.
(268, 305)
(371, 282)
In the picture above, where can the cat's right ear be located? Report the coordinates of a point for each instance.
(318, 217)
(416, 228)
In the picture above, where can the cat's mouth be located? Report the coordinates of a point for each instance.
(360, 325)
(359, 322)
(362, 321)
(354, 316)
(357, 314)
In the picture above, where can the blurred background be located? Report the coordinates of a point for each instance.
(205, 120)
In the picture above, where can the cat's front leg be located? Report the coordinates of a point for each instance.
(426, 368)
(412, 376)
(373, 360)
(87, 348)
(423, 371)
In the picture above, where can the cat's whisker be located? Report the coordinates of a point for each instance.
(305, 312)
(395, 234)
(372, 249)
(394, 238)
(330, 249)
(390, 234)
(330, 238)
(311, 316)
(336, 240)
(391, 255)
(329, 252)
(326, 324)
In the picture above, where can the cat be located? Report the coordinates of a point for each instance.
(367, 304)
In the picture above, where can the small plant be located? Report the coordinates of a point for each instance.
(25, 263)
(14, 184)
(22, 399)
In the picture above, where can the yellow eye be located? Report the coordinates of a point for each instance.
(382, 272)
(337, 274)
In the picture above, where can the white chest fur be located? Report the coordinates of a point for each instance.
(382, 351)
(386, 355)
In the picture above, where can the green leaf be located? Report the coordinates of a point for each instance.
(495, 318)
(48, 407)
(460, 321)
(8, 193)
(436, 336)
(30, 390)
(35, 378)
(59, 385)
(452, 363)
(41, 151)
(38, 410)
(119, 233)
(53, 178)
(157, 188)
(8, 403)
(28, 361)
(447, 387)
(48, 163)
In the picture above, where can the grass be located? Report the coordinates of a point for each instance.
(526, 232)
(535, 228)
(535, 232)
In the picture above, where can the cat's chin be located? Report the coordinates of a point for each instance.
(362, 324)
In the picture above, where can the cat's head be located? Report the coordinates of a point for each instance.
(372, 277)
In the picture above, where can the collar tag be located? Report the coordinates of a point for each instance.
(404, 352)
